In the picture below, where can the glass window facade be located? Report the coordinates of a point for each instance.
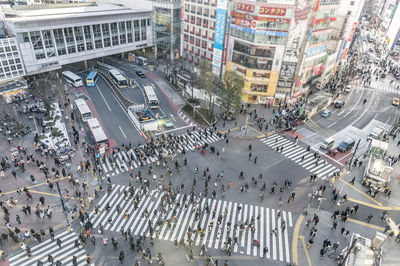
(10, 63)
(80, 39)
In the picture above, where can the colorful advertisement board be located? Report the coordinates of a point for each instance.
(245, 7)
(261, 32)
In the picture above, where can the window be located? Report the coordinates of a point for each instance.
(80, 44)
(349, 13)
(88, 37)
(106, 34)
(352, 3)
(114, 33)
(129, 30)
(69, 37)
(122, 32)
(98, 43)
(37, 43)
(59, 38)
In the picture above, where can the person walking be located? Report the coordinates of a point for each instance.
(121, 256)
(265, 251)
(59, 242)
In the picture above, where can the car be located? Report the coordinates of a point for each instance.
(348, 88)
(338, 104)
(396, 101)
(140, 74)
(326, 113)
(346, 145)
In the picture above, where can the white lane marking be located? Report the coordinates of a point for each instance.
(123, 133)
(102, 96)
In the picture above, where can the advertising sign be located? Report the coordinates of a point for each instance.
(245, 7)
(219, 35)
(273, 11)
(239, 15)
(286, 74)
(261, 32)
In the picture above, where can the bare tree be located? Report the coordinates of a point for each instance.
(43, 89)
(207, 81)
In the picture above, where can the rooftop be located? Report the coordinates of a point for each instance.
(68, 11)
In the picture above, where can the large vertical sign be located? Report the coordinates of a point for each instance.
(219, 36)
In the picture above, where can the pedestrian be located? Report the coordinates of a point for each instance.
(334, 225)
(353, 180)
(59, 242)
(369, 217)
(265, 251)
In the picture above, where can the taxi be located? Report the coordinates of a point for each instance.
(396, 101)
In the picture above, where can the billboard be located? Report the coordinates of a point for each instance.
(219, 35)
(286, 74)
(272, 11)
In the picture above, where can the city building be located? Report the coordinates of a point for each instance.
(50, 36)
(343, 29)
(11, 63)
(167, 28)
(316, 53)
(199, 32)
(393, 28)
(258, 35)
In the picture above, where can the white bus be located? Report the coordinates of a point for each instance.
(141, 61)
(72, 79)
(152, 100)
(118, 78)
(99, 137)
(84, 109)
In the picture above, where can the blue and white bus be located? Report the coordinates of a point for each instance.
(91, 79)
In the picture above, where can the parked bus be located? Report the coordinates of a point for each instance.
(72, 79)
(99, 137)
(141, 61)
(118, 78)
(84, 110)
(91, 79)
(151, 97)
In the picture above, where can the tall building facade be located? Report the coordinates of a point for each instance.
(258, 34)
(167, 28)
(199, 29)
(316, 51)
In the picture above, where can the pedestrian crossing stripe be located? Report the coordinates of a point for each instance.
(214, 234)
(300, 155)
(122, 158)
(41, 251)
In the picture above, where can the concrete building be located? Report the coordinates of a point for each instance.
(167, 28)
(49, 36)
(258, 34)
(199, 32)
(343, 29)
(316, 52)
(392, 20)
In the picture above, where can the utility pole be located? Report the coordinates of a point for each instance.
(62, 202)
(355, 151)
(307, 37)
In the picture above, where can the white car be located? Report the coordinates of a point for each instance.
(348, 88)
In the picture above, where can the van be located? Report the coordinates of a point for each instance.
(376, 133)
(327, 144)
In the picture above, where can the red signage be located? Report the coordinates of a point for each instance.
(273, 11)
(238, 15)
(245, 7)
(319, 69)
(353, 29)
(243, 22)
(322, 20)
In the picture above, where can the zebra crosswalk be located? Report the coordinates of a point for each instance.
(300, 155)
(41, 251)
(271, 227)
(120, 161)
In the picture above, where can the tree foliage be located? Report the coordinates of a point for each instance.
(230, 94)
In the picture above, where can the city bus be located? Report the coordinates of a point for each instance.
(141, 61)
(91, 79)
(151, 97)
(118, 78)
(72, 79)
(99, 137)
(83, 109)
